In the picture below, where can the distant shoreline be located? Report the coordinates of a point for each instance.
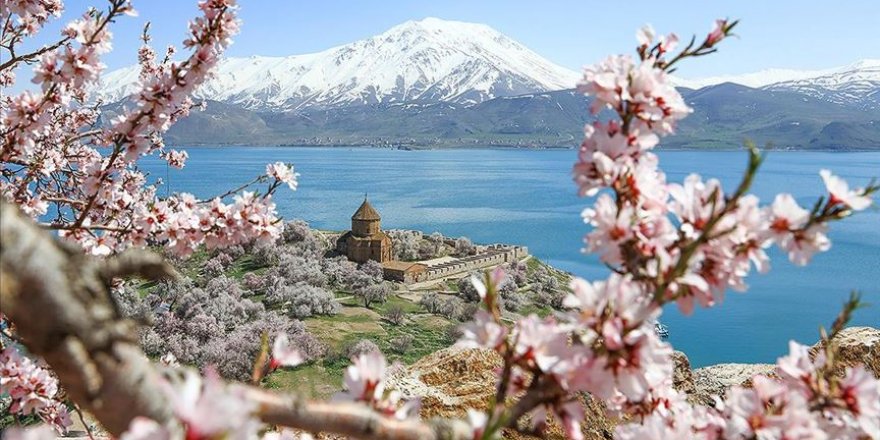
(521, 148)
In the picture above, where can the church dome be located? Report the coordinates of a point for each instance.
(366, 212)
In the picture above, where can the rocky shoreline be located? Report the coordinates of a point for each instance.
(451, 380)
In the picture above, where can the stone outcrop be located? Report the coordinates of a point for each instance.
(715, 380)
(682, 376)
(452, 380)
(857, 345)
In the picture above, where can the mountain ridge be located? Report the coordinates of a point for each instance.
(439, 83)
(426, 60)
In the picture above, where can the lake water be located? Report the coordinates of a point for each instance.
(527, 197)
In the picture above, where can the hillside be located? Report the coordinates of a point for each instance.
(724, 116)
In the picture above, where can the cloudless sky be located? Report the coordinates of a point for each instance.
(793, 34)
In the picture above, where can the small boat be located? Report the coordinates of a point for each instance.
(661, 330)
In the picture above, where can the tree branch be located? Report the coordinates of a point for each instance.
(60, 301)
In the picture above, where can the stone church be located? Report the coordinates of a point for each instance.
(365, 241)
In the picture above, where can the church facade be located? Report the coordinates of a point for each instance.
(366, 240)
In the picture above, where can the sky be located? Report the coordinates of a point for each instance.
(809, 34)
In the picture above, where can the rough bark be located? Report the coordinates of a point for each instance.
(61, 303)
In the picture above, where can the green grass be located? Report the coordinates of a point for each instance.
(533, 308)
(244, 265)
(395, 300)
(532, 264)
(317, 380)
(192, 266)
(428, 333)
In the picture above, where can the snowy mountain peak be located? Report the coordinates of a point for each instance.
(856, 84)
(767, 77)
(428, 60)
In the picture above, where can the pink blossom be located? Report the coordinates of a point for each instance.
(542, 343)
(718, 32)
(169, 360)
(805, 243)
(611, 229)
(364, 380)
(695, 202)
(841, 194)
(142, 428)
(176, 159)
(607, 82)
(797, 367)
(477, 421)
(655, 101)
(860, 390)
(769, 410)
(41, 432)
(283, 173)
(785, 215)
(283, 354)
(668, 43)
(210, 408)
(569, 415)
(32, 389)
(645, 35)
(786, 227)
(482, 332)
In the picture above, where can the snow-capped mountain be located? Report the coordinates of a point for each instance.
(858, 83)
(417, 61)
(854, 84)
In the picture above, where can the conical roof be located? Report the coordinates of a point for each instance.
(366, 212)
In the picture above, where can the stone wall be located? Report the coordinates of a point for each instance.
(493, 255)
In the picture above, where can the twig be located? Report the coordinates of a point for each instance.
(83, 421)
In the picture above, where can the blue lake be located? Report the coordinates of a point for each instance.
(527, 197)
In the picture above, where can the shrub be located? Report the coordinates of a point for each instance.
(466, 289)
(450, 308)
(513, 301)
(302, 300)
(373, 293)
(234, 354)
(466, 311)
(298, 269)
(453, 332)
(547, 291)
(221, 298)
(464, 246)
(339, 271)
(234, 252)
(361, 347)
(129, 303)
(431, 302)
(395, 315)
(213, 268)
(406, 244)
(401, 344)
(253, 282)
(295, 231)
(518, 272)
(302, 240)
(372, 269)
(433, 246)
(265, 253)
